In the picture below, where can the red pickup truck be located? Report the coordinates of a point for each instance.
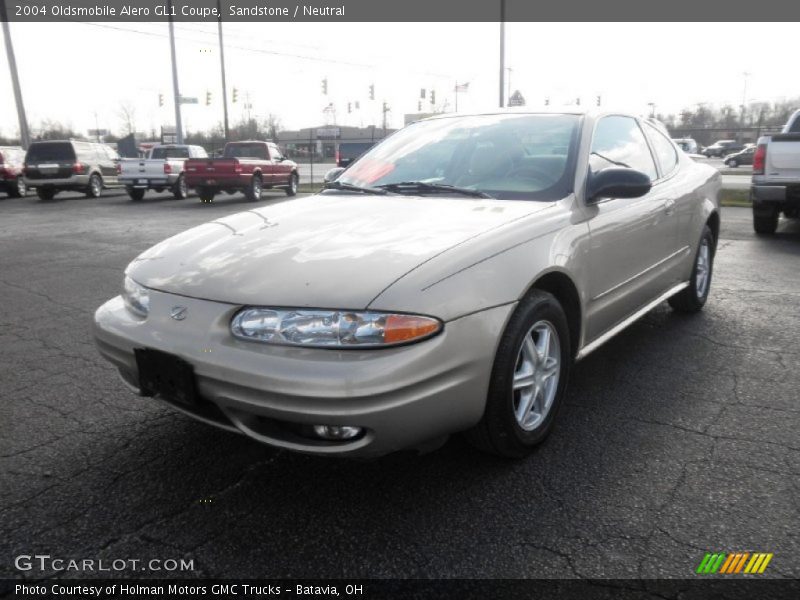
(248, 167)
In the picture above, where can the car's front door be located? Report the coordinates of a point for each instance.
(280, 171)
(631, 238)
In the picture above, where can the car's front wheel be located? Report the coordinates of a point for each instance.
(45, 193)
(206, 194)
(529, 376)
(693, 298)
(732, 163)
(765, 222)
(136, 194)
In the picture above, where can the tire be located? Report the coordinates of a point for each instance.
(766, 224)
(732, 163)
(20, 190)
(693, 298)
(506, 428)
(95, 187)
(136, 194)
(253, 191)
(206, 194)
(45, 193)
(179, 190)
(291, 189)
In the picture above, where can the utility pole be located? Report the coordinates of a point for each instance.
(222, 69)
(744, 97)
(502, 48)
(508, 95)
(24, 134)
(178, 124)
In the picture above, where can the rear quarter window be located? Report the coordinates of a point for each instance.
(665, 152)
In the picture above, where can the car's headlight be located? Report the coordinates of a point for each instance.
(331, 328)
(136, 297)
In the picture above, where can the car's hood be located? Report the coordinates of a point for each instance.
(327, 251)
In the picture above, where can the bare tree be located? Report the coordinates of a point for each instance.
(127, 116)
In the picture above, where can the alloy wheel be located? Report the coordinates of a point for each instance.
(536, 375)
(703, 268)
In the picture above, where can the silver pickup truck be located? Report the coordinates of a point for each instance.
(775, 188)
(161, 170)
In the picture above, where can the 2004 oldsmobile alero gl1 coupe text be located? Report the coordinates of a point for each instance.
(444, 282)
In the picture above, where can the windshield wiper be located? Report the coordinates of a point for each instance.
(421, 186)
(349, 187)
(613, 162)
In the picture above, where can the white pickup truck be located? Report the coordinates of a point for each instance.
(775, 188)
(161, 170)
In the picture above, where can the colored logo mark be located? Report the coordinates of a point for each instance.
(735, 562)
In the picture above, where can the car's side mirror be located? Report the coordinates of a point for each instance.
(333, 174)
(617, 182)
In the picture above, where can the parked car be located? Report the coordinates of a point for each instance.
(347, 152)
(688, 145)
(722, 148)
(55, 166)
(12, 159)
(161, 170)
(247, 167)
(775, 187)
(445, 282)
(743, 157)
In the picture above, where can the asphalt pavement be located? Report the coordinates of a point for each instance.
(677, 438)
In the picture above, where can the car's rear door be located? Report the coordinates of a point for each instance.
(630, 237)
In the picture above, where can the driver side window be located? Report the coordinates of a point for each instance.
(619, 139)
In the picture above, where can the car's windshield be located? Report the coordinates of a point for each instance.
(527, 156)
(167, 152)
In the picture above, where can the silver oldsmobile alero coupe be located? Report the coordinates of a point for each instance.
(445, 282)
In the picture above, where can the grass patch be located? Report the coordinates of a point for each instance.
(308, 188)
(734, 198)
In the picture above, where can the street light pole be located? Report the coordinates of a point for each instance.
(222, 68)
(502, 49)
(176, 92)
(24, 134)
(744, 96)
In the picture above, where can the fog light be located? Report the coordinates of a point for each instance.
(337, 432)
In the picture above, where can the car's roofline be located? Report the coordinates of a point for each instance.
(592, 112)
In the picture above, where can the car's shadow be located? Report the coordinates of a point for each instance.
(622, 440)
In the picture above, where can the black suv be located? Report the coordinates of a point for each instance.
(88, 167)
(722, 148)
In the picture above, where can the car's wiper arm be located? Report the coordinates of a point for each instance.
(421, 186)
(349, 187)
(613, 162)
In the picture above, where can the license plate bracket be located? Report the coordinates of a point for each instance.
(166, 375)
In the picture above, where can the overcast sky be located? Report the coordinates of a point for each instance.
(83, 73)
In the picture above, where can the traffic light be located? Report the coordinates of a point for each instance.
(372, 91)
(578, 101)
(422, 93)
(419, 106)
(349, 107)
(598, 101)
(358, 105)
(208, 98)
(547, 101)
(161, 99)
(235, 95)
(325, 86)
(433, 96)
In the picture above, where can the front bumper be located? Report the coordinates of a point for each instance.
(404, 397)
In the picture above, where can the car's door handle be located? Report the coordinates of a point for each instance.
(669, 206)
